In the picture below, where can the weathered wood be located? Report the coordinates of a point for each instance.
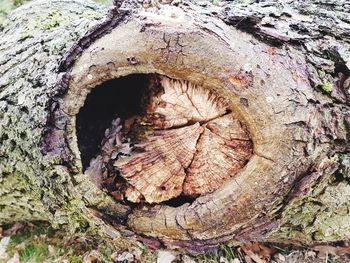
(282, 68)
(157, 172)
(187, 143)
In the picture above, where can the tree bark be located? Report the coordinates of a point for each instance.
(284, 70)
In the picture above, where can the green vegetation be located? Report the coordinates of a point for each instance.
(34, 253)
(326, 86)
(40, 243)
(225, 251)
(322, 214)
(36, 243)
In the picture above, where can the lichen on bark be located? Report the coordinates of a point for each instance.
(34, 38)
(323, 214)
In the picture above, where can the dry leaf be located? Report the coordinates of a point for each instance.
(332, 250)
(13, 229)
(124, 257)
(187, 259)
(3, 246)
(14, 259)
(258, 252)
(94, 256)
(223, 260)
(165, 257)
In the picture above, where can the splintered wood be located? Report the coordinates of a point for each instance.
(222, 150)
(194, 146)
(157, 170)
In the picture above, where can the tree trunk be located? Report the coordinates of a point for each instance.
(182, 125)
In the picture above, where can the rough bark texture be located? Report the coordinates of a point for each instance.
(33, 41)
(284, 68)
(35, 176)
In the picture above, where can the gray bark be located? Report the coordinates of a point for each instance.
(284, 65)
(35, 184)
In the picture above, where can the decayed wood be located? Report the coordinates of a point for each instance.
(223, 149)
(283, 69)
(184, 103)
(196, 145)
(158, 171)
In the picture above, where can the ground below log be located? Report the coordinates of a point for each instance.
(37, 242)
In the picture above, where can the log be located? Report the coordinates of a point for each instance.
(180, 125)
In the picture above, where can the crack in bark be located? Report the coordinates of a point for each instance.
(114, 17)
(182, 228)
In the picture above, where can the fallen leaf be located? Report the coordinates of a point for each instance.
(122, 257)
(137, 253)
(257, 252)
(14, 259)
(332, 250)
(165, 257)
(187, 259)
(248, 259)
(149, 242)
(3, 246)
(223, 260)
(52, 250)
(13, 229)
(93, 256)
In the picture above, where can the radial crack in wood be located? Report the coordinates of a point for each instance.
(157, 168)
(183, 103)
(187, 142)
(223, 149)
